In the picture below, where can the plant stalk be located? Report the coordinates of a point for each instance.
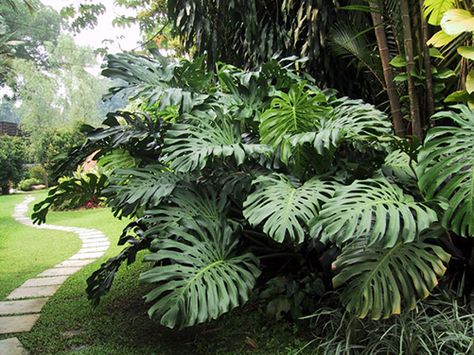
(394, 99)
(417, 129)
(430, 104)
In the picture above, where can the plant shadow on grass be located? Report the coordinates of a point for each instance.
(120, 325)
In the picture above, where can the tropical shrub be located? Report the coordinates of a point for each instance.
(237, 180)
(27, 184)
(12, 157)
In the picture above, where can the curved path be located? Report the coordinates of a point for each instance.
(23, 305)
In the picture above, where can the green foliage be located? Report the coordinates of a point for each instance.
(27, 184)
(438, 326)
(446, 169)
(286, 206)
(73, 192)
(200, 277)
(380, 282)
(189, 146)
(12, 157)
(225, 173)
(375, 209)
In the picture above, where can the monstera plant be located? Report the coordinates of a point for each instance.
(237, 180)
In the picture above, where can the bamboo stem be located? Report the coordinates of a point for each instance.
(394, 99)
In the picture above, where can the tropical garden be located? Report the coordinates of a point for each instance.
(277, 177)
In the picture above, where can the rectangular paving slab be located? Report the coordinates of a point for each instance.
(59, 271)
(32, 292)
(94, 244)
(45, 281)
(22, 306)
(17, 324)
(81, 256)
(92, 249)
(12, 346)
(73, 263)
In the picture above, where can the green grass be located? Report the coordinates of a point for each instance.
(26, 251)
(120, 325)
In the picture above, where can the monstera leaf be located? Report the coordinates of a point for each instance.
(379, 282)
(446, 169)
(200, 275)
(399, 166)
(374, 208)
(131, 190)
(187, 203)
(189, 146)
(350, 121)
(297, 111)
(286, 206)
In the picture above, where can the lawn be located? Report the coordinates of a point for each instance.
(26, 251)
(120, 324)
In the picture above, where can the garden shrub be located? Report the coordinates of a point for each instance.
(27, 184)
(238, 181)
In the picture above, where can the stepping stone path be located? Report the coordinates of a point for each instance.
(22, 307)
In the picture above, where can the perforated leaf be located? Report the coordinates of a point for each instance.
(374, 208)
(379, 282)
(446, 169)
(286, 206)
(200, 276)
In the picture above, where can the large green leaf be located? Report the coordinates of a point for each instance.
(400, 166)
(286, 206)
(189, 146)
(434, 10)
(298, 111)
(350, 121)
(132, 190)
(379, 282)
(200, 275)
(374, 208)
(446, 169)
(188, 203)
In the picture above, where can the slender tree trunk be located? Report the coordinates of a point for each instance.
(417, 129)
(395, 109)
(430, 104)
(5, 189)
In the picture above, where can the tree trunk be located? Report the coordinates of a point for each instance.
(430, 104)
(5, 189)
(395, 110)
(417, 129)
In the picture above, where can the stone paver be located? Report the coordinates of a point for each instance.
(92, 249)
(22, 306)
(21, 310)
(81, 256)
(45, 281)
(32, 292)
(60, 271)
(17, 324)
(12, 346)
(73, 263)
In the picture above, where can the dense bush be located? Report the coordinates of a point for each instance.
(12, 157)
(27, 184)
(39, 173)
(259, 181)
